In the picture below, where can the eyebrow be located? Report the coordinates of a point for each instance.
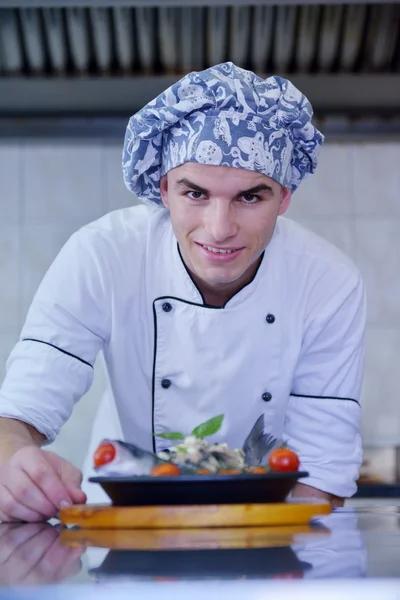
(185, 183)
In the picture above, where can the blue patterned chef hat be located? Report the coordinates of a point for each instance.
(224, 116)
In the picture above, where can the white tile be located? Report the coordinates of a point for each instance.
(377, 179)
(62, 183)
(7, 342)
(10, 183)
(9, 275)
(327, 192)
(377, 252)
(117, 194)
(380, 399)
(338, 231)
(39, 246)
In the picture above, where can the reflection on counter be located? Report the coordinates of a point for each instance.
(214, 553)
(32, 554)
(332, 546)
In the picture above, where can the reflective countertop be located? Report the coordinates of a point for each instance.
(358, 544)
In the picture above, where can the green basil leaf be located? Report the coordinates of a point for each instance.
(171, 435)
(209, 427)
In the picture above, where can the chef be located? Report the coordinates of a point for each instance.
(203, 300)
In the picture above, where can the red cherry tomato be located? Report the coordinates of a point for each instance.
(283, 460)
(104, 454)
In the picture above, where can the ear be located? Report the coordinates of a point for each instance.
(164, 190)
(286, 196)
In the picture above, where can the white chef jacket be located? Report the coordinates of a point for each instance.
(288, 345)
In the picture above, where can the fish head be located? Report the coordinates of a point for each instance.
(125, 459)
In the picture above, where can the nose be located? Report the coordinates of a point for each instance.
(220, 221)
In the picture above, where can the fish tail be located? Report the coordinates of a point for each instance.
(258, 443)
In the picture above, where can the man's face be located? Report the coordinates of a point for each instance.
(223, 219)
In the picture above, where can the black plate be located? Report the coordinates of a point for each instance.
(221, 563)
(199, 489)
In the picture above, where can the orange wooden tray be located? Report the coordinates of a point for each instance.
(103, 516)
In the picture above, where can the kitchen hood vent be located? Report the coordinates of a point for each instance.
(105, 59)
(130, 41)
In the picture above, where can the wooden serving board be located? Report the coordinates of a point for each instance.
(103, 516)
(190, 539)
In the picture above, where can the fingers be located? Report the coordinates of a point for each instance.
(23, 489)
(35, 484)
(70, 476)
(13, 510)
(78, 497)
(41, 472)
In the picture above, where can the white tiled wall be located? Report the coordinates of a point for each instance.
(48, 190)
(353, 200)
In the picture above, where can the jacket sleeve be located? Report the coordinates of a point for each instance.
(322, 423)
(51, 366)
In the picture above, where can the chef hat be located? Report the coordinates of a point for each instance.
(224, 116)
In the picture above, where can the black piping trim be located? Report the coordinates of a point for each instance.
(194, 283)
(182, 300)
(326, 398)
(200, 292)
(60, 350)
(153, 383)
(154, 373)
(203, 305)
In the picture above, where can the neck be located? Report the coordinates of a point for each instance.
(220, 294)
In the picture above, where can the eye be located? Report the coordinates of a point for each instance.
(250, 198)
(195, 195)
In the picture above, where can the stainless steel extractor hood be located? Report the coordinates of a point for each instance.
(96, 58)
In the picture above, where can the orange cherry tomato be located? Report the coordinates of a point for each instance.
(283, 460)
(258, 470)
(165, 470)
(104, 454)
(203, 472)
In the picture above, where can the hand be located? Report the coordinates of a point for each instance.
(35, 484)
(32, 554)
(301, 490)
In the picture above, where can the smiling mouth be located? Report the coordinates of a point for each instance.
(219, 250)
